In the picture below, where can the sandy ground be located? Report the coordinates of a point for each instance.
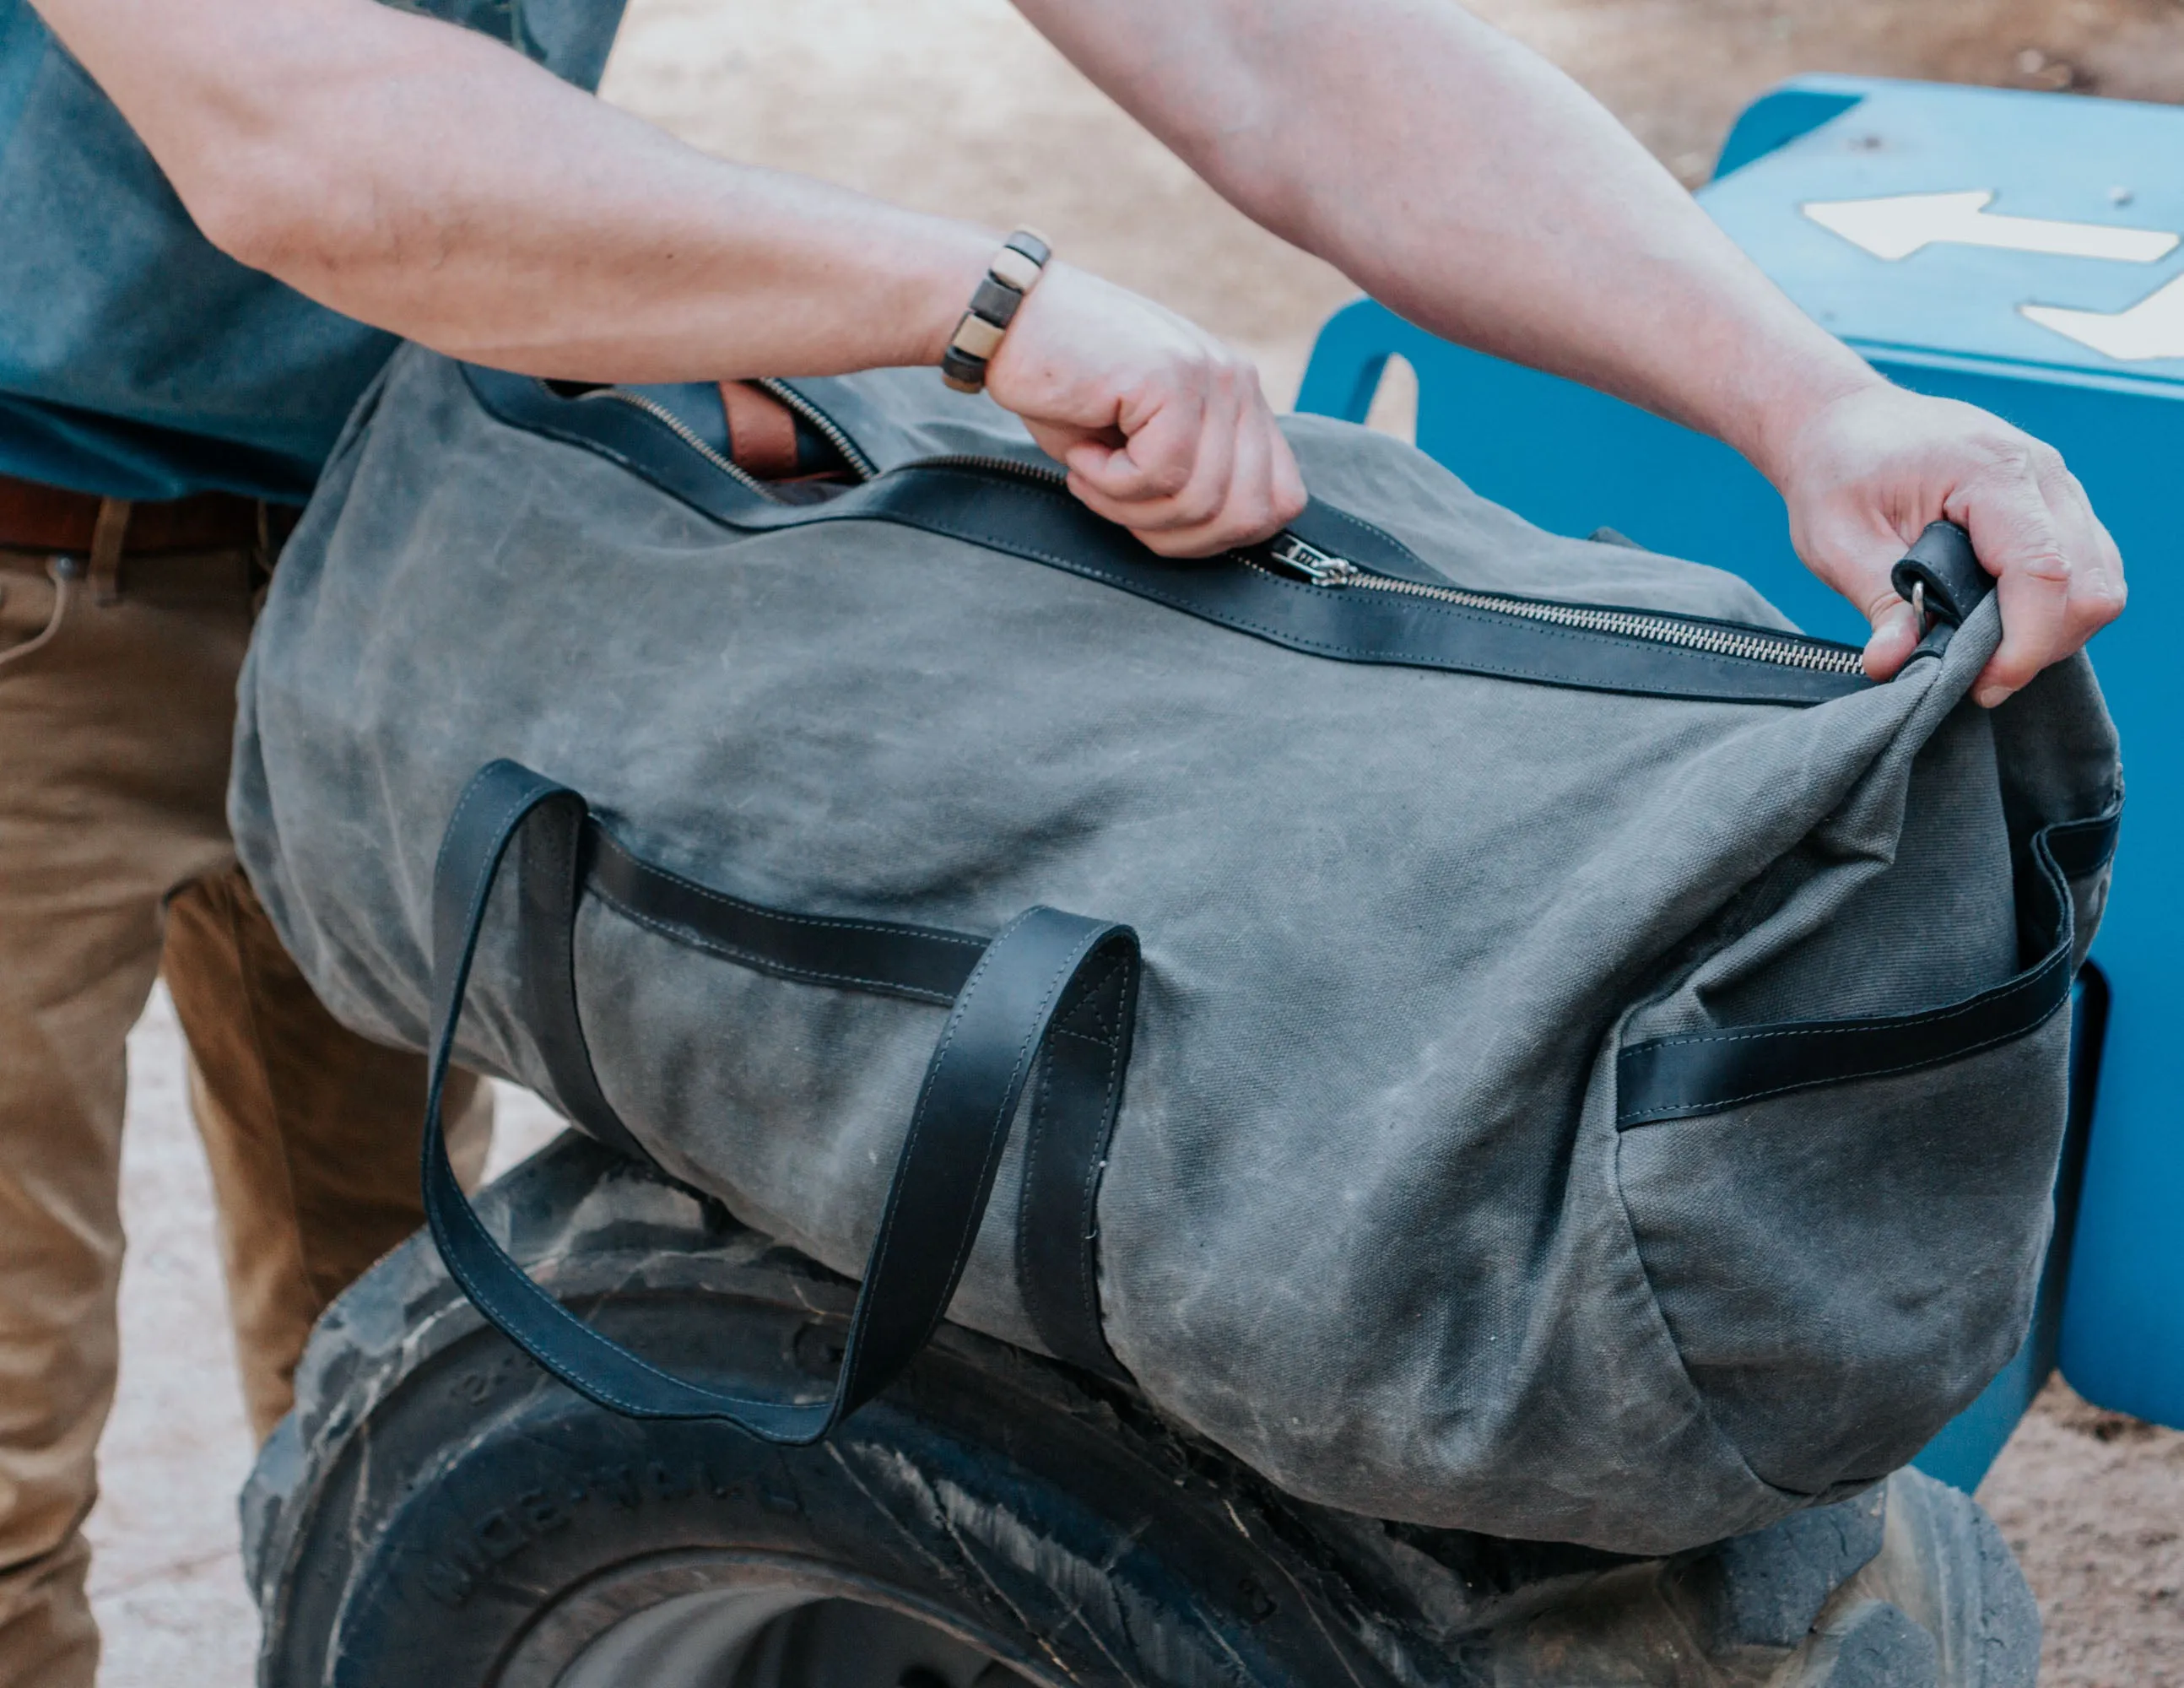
(955, 106)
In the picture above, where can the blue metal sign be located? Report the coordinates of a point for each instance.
(2013, 229)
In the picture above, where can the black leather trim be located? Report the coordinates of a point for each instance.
(1074, 1102)
(923, 962)
(548, 884)
(2081, 848)
(1347, 624)
(1045, 967)
(1704, 1072)
(1023, 514)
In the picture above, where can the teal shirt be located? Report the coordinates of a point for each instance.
(135, 360)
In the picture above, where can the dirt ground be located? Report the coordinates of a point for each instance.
(955, 105)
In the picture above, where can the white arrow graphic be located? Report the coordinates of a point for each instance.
(1901, 223)
(2152, 328)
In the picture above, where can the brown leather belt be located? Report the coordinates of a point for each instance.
(52, 521)
(35, 517)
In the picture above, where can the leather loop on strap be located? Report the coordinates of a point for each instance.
(1043, 964)
(109, 533)
(1945, 570)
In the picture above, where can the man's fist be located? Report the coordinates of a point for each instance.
(1163, 428)
(1869, 469)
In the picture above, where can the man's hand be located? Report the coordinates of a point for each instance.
(1162, 427)
(1868, 470)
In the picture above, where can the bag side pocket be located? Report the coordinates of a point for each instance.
(1843, 1221)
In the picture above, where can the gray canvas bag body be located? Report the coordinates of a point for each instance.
(1496, 1031)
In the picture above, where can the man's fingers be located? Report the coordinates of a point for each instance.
(1877, 464)
(1242, 485)
(1162, 429)
(1285, 482)
(1157, 459)
(1159, 485)
(1855, 549)
(1895, 637)
(1265, 493)
(2021, 543)
(2096, 584)
(1240, 515)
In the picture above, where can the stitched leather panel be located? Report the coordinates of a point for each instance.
(1349, 624)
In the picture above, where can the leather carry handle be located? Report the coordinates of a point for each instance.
(1041, 965)
(1705, 1072)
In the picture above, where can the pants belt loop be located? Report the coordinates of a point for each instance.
(108, 537)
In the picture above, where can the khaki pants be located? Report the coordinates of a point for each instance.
(115, 865)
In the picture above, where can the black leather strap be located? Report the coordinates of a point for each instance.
(1026, 516)
(1704, 1072)
(1078, 1090)
(1044, 964)
(924, 963)
(548, 885)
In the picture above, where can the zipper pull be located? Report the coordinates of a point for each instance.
(1287, 554)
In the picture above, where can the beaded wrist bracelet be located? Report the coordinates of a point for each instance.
(1014, 269)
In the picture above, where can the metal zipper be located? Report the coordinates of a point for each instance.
(995, 465)
(859, 465)
(1291, 558)
(862, 465)
(681, 431)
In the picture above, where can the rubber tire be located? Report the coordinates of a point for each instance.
(437, 1510)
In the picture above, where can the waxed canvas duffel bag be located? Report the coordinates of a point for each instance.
(1495, 1030)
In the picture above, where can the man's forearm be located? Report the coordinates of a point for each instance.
(1472, 187)
(430, 182)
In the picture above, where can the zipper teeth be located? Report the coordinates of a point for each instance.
(683, 432)
(865, 468)
(1752, 647)
(1000, 466)
(1814, 655)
